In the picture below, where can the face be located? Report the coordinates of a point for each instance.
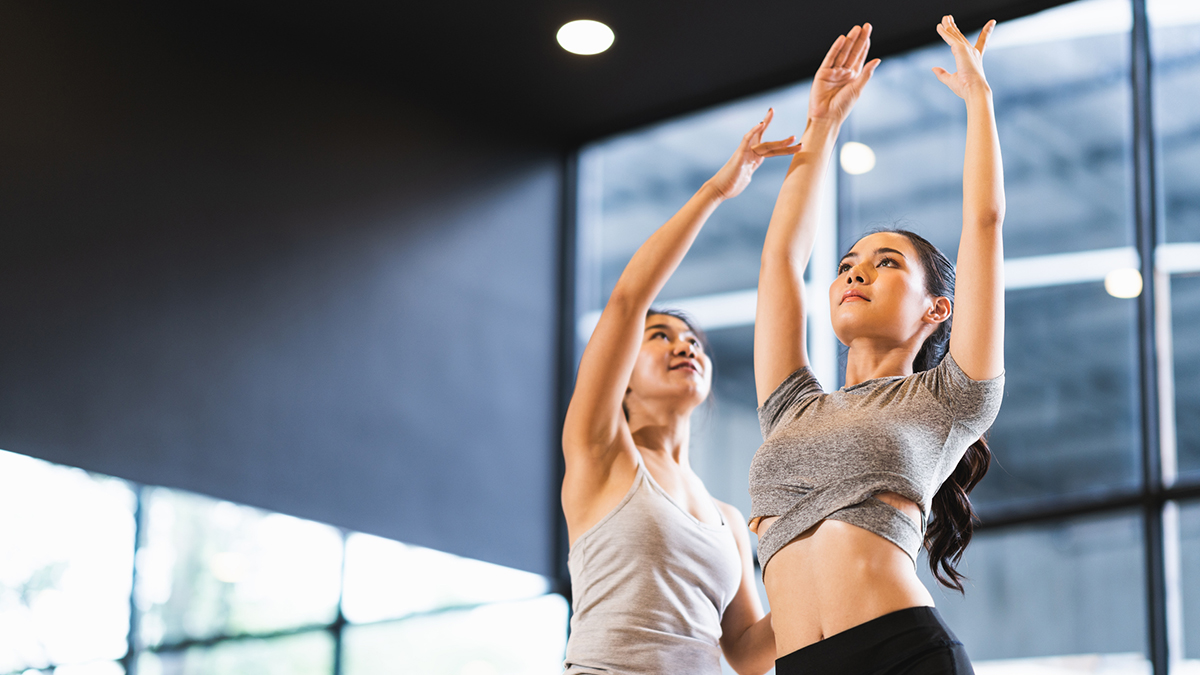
(671, 365)
(879, 294)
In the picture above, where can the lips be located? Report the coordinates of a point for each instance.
(853, 295)
(688, 365)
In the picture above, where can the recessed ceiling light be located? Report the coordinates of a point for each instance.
(857, 158)
(1124, 283)
(585, 37)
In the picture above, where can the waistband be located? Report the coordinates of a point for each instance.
(872, 646)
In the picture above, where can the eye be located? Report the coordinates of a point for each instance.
(844, 267)
(888, 262)
(658, 334)
(694, 342)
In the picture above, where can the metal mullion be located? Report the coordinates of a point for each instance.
(1145, 229)
(568, 287)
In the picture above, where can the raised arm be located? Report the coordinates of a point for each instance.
(779, 335)
(594, 418)
(977, 335)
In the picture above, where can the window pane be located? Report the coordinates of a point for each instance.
(641, 179)
(303, 654)
(1175, 41)
(1175, 44)
(208, 567)
(386, 579)
(94, 668)
(1069, 423)
(1185, 326)
(517, 638)
(1074, 588)
(1062, 98)
(1189, 530)
(67, 564)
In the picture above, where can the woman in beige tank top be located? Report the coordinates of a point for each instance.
(662, 574)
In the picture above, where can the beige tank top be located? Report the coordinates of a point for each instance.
(650, 583)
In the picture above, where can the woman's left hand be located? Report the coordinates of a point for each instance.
(968, 59)
(735, 175)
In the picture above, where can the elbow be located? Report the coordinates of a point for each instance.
(990, 218)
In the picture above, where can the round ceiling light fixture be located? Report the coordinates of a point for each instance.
(1123, 283)
(857, 158)
(585, 37)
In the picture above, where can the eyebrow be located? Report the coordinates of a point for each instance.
(885, 249)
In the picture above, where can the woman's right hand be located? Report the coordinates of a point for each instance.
(842, 76)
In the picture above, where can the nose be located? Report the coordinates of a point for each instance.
(863, 273)
(685, 348)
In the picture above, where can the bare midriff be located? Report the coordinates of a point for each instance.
(836, 576)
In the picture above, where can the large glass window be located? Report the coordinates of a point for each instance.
(224, 589)
(66, 565)
(208, 568)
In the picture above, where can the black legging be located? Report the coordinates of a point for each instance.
(912, 641)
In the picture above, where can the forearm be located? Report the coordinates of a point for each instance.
(983, 170)
(793, 224)
(752, 652)
(656, 259)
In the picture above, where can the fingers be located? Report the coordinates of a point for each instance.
(776, 148)
(831, 55)
(981, 43)
(943, 76)
(861, 45)
(755, 134)
(950, 32)
(843, 56)
(865, 76)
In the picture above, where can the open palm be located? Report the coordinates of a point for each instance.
(842, 75)
(968, 58)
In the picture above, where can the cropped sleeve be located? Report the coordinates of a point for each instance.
(797, 387)
(973, 403)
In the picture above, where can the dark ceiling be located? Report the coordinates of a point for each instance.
(496, 66)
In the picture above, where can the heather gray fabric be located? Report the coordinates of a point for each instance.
(649, 585)
(827, 455)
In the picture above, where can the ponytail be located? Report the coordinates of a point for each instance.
(954, 520)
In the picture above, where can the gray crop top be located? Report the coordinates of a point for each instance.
(827, 455)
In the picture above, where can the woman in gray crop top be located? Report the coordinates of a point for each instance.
(662, 575)
(849, 485)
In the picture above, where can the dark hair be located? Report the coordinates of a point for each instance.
(952, 519)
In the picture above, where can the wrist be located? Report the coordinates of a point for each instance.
(711, 193)
(979, 91)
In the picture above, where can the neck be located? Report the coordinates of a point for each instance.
(662, 432)
(869, 359)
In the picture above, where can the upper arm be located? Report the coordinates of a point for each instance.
(746, 608)
(595, 417)
(747, 639)
(779, 324)
(977, 335)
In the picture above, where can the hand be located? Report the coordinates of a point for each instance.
(967, 59)
(735, 175)
(842, 76)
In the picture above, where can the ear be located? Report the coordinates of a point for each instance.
(937, 312)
